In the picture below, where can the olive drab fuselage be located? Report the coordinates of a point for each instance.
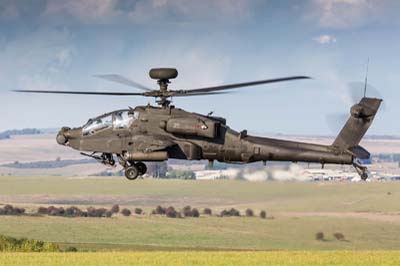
(148, 133)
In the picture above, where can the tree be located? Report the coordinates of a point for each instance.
(126, 212)
(249, 212)
(115, 208)
(195, 212)
(319, 236)
(207, 211)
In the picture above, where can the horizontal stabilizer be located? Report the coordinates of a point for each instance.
(359, 152)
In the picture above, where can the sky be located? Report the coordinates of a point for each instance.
(61, 45)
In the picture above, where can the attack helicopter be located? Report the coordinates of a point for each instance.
(149, 133)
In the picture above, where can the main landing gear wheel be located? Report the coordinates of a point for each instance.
(142, 168)
(131, 172)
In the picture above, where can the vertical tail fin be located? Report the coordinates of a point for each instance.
(361, 117)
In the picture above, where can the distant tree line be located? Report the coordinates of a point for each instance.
(26, 131)
(58, 163)
(170, 212)
(395, 157)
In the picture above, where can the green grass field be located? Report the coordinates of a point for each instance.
(366, 213)
(281, 258)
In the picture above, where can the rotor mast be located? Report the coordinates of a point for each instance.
(163, 75)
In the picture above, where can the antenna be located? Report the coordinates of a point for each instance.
(366, 79)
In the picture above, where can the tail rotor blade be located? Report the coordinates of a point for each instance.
(336, 122)
(356, 92)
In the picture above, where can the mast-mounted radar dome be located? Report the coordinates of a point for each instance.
(163, 73)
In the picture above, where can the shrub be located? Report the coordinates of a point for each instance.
(108, 214)
(319, 236)
(249, 213)
(263, 214)
(26, 245)
(10, 210)
(207, 211)
(61, 211)
(234, 212)
(231, 212)
(160, 210)
(91, 212)
(71, 249)
(171, 212)
(195, 212)
(115, 208)
(126, 212)
(55, 211)
(50, 209)
(42, 210)
(224, 213)
(187, 211)
(138, 211)
(101, 212)
(73, 212)
(18, 211)
(339, 236)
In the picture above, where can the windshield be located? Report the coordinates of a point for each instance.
(97, 124)
(124, 119)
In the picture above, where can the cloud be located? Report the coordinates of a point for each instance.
(351, 13)
(135, 11)
(41, 52)
(9, 11)
(325, 39)
(85, 11)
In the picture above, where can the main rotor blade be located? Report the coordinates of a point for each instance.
(198, 94)
(85, 92)
(123, 80)
(245, 84)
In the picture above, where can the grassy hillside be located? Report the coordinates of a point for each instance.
(366, 213)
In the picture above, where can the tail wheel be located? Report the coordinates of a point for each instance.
(142, 168)
(131, 172)
(364, 176)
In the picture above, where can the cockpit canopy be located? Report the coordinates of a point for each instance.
(119, 120)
